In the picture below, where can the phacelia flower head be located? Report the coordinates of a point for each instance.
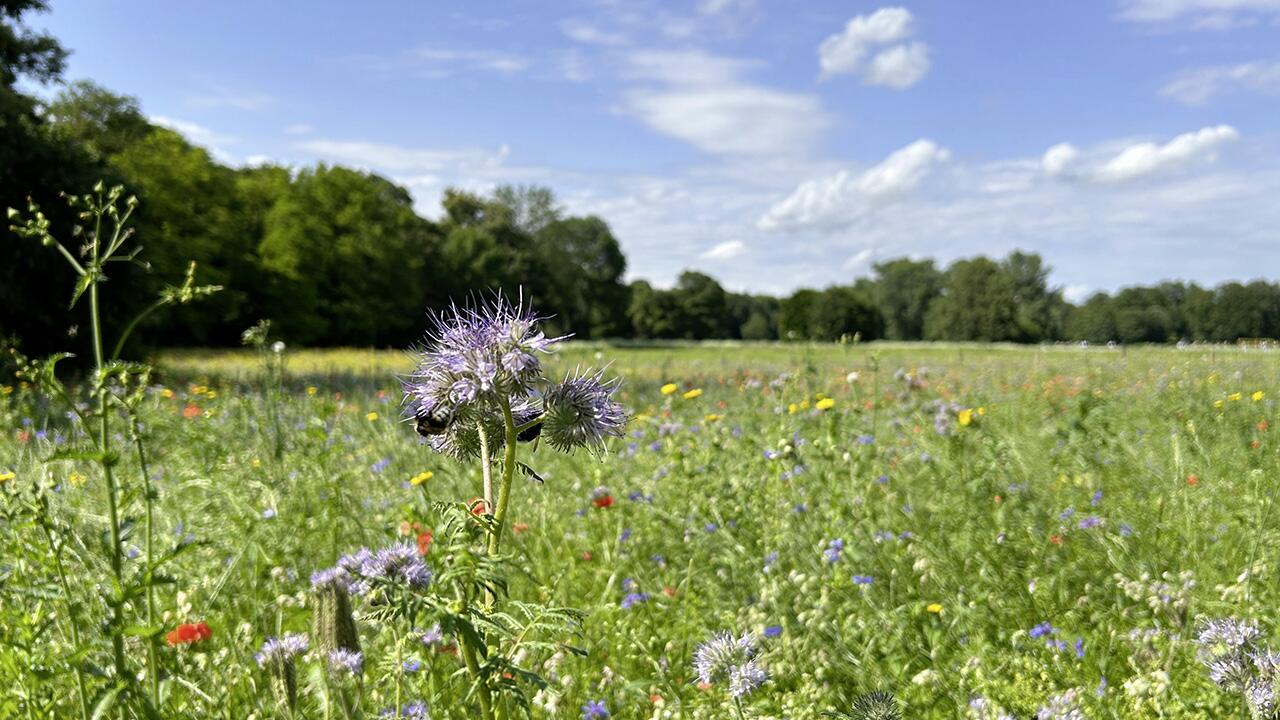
(399, 564)
(581, 412)
(724, 658)
(282, 649)
(344, 661)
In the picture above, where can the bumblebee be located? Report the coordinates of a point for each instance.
(530, 434)
(434, 421)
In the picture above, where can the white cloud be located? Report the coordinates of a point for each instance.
(726, 250)
(395, 158)
(704, 100)
(298, 129)
(1199, 85)
(1076, 293)
(840, 198)
(198, 134)
(1057, 159)
(1210, 14)
(433, 62)
(1148, 158)
(715, 7)
(584, 32)
(899, 66)
(860, 260)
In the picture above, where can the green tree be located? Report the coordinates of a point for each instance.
(977, 303)
(101, 121)
(703, 306)
(1040, 312)
(346, 256)
(904, 290)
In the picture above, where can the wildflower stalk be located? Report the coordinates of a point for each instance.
(148, 498)
(56, 550)
(508, 472)
(104, 446)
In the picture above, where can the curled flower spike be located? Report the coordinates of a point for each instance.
(281, 649)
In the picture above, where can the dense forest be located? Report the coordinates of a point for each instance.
(337, 256)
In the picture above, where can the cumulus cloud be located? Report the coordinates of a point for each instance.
(839, 198)
(1199, 85)
(196, 133)
(726, 250)
(899, 66)
(1057, 159)
(1148, 158)
(705, 100)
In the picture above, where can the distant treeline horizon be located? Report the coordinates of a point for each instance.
(335, 256)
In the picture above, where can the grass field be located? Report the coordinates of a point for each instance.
(1042, 530)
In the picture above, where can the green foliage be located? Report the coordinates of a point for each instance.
(977, 303)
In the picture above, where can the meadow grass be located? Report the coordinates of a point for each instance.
(944, 522)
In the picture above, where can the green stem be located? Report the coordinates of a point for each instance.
(104, 443)
(486, 467)
(508, 471)
(128, 330)
(473, 664)
(71, 614)
(148, 501)
(737, 703)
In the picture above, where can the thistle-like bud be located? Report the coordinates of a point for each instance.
(334, 623)
(581, 412)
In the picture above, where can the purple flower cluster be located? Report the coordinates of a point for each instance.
(347, 661)
(581, 412)
(282, 649)
(398, 564)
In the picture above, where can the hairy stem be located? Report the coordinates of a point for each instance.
(508, 471)
(153, 668)
(56, 550)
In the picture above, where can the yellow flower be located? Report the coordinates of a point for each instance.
(76, 478)
(712, 417)
(421, 477)
(6, 390)
(982, 411)
(1233, 397)
(1258, 395)
(166, 393)
(256, 462)
(211, 394)
(935, 608)
(1218, 404)
(792, 408)
(7, 476)
(696, 392)
(311, 390)
(371, 416)
(804, 404)
(965, 417)
(825, 404)
(669, 388)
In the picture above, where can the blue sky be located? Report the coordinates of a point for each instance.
(771, 143)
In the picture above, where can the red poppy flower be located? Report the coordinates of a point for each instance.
(190, 411)
(1055, 539)
(189, 633)
(520, 527)
(424, 542)
(602, 502)
(1192, 480)
(478, 507)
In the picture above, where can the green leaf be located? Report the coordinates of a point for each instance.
(106, 702)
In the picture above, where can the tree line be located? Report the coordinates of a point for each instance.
(338, 256)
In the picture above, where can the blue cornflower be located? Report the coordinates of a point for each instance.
(801, 508)
(633, 599)
(1097, 498)
(1080, 648)
(1067, 513)
(834, 548)
(866, 439)
(711, 527)
(594, 709)
(658, 560)
(1044, 628)
(863, 579)
(1091, 521)
(625, 535)
(773, 631)
(380, 465)
(412, 665)
(770, 559)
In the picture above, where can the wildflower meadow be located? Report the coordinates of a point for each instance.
(502, 523)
